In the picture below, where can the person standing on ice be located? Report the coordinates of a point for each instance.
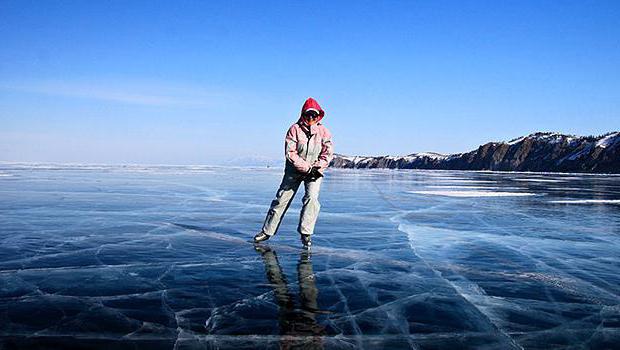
(308, 150)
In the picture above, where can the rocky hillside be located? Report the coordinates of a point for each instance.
(542, 151)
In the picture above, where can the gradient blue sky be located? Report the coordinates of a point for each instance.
(201, 82)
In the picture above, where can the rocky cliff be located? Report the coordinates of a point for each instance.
(542, 151)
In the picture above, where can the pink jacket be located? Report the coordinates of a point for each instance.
(306, 145)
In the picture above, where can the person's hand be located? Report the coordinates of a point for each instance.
(314, 173)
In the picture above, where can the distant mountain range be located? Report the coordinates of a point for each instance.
(254, 160)
(541, 151)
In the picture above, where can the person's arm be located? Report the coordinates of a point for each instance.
(290, 152)
(327, 151)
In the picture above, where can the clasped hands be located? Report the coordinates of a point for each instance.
(314, 173)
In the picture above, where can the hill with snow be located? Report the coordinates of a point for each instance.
(541, 151)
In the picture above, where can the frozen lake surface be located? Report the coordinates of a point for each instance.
(160, 258)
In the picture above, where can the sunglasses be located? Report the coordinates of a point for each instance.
(311, 114)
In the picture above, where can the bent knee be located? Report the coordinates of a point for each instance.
(280, 201)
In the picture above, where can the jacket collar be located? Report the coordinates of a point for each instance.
(312, 129)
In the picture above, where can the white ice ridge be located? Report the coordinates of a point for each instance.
(467, 290)
(435, 245)
(587, 201)
(537, 180)
(464, 181)
(474, 193)
(469, 188)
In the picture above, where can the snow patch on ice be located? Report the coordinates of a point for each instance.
(586, 201)
(537, 180)
(462, 181)
(473, 193)
(447, 187)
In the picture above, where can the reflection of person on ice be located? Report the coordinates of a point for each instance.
(298, 325)
(308, 150)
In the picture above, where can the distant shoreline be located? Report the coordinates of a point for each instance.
(98, 166)
(539, 152)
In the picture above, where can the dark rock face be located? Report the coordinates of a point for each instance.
(542, 151)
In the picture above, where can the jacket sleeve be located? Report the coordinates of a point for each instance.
(290, 152)
(327, 151)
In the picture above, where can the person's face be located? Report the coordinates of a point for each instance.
(311, 117)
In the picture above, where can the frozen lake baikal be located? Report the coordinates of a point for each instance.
(159, 257)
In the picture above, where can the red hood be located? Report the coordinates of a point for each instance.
(311, 103)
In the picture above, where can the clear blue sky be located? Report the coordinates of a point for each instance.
(180, 82)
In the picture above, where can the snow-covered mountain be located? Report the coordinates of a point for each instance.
(541, 151)
(254, 160)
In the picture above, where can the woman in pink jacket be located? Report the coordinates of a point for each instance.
(308, 149)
